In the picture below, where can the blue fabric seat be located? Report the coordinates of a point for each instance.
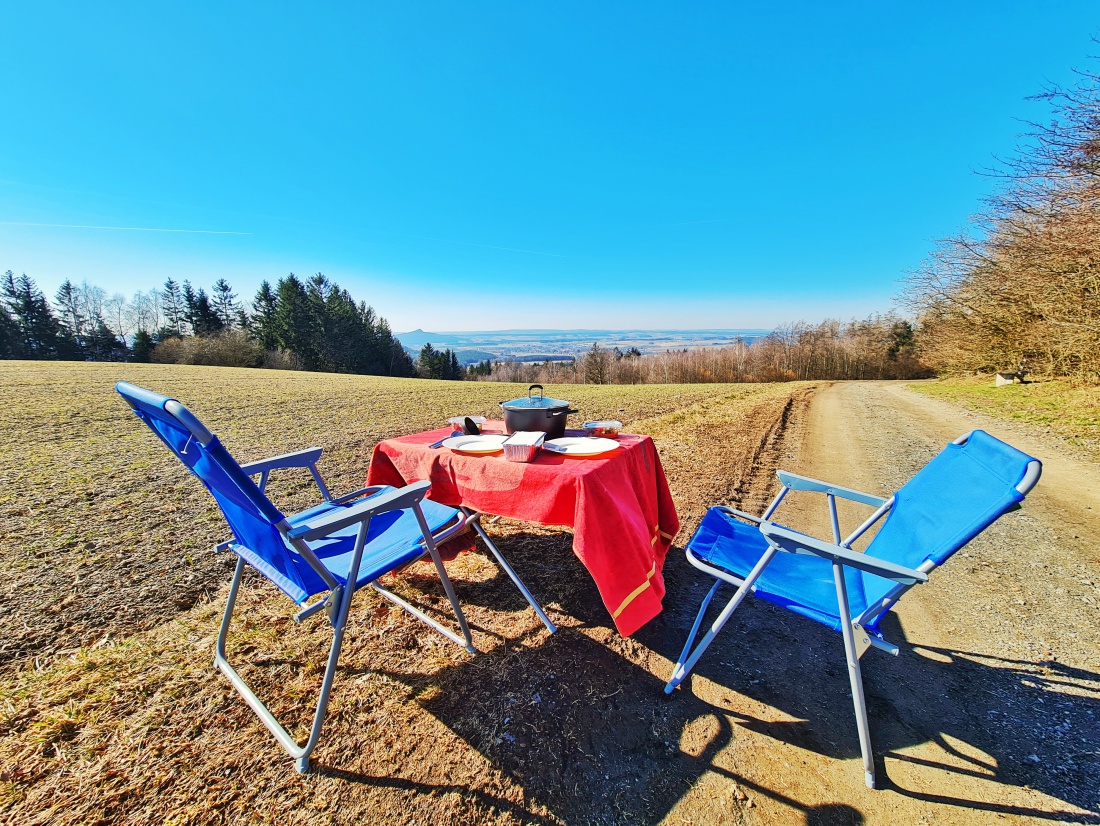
(963, 490)
(802, 584)
(330, 549)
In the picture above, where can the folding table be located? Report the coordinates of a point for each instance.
(617, 504)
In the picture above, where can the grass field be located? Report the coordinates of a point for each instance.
(1066, 409)
(110, 709)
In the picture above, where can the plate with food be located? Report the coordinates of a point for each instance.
(476, 445)
(580, 446)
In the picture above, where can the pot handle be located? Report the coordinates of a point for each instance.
(552, 413)
(532, 387)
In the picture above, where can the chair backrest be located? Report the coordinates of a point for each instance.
(950, 501)
(250, 514)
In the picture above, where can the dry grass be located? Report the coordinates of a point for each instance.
(1064, 408)
(111, 712)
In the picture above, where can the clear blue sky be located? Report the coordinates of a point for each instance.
(517, 164)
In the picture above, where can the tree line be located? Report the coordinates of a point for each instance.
(879, 347)
(1021, 284)
(308, 325)
(317, 325)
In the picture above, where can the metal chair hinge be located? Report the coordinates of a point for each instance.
(863, 639)
(332, 603)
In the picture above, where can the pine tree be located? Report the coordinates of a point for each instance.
(263, 323)
(175, 309)
(9, 335)
(224, 302)
(427, 363)
(103, 344)
(200, 315)
(143, 346)
(70, 308)
(39, 331)
(394, 359)
(297, 328)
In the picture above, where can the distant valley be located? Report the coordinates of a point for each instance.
(540, 345)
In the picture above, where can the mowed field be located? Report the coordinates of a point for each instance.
(110, 710)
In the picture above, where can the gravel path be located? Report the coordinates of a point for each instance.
(990, 712)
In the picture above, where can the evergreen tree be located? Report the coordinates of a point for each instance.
(482, 368)
(438, 364)
(189, 300)
(175, 309)
(297, 328)
(9, 335)
(103, 344)
(70, 308)
(262, 323)
(428, 362)
(39, 331)
(401, 363)
(394, 359)
(224, 302)
(200, 315)
(143, 346)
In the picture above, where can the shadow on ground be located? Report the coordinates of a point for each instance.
(580, 722)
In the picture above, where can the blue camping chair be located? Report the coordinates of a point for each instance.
(949, 502)
(332, 549)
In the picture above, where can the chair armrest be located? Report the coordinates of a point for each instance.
(740, 514)
(797, 543)
(796, 482)
(300, 458)
(355, 494)
(391, 500)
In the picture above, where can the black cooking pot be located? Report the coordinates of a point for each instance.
(536, 413)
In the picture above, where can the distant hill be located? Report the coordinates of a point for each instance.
(418, 338)
(464, 357)
(541, 344)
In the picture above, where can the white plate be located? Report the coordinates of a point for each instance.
(585, 446)
(475, 444)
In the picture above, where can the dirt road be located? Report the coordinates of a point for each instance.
(990, 712)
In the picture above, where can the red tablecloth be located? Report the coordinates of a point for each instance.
(618, 506)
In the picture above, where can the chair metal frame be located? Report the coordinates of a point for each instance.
(857, 639)
(353, 509)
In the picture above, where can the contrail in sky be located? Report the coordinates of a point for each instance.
(485, 246)
(130, 229)
(711, 221)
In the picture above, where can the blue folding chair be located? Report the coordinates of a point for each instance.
(333, 548)
(949, 502)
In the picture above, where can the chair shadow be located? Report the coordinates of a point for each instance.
(588, 734)
(912, 699)
(580, 728)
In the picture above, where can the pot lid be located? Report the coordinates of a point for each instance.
(534, 402)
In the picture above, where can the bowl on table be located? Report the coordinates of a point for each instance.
(605, 428)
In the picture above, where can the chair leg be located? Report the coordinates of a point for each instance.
(683, 668)
(695, 627)
(855, 677)
(503, 563)
(300, 753)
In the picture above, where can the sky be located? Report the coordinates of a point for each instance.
(488, 165)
